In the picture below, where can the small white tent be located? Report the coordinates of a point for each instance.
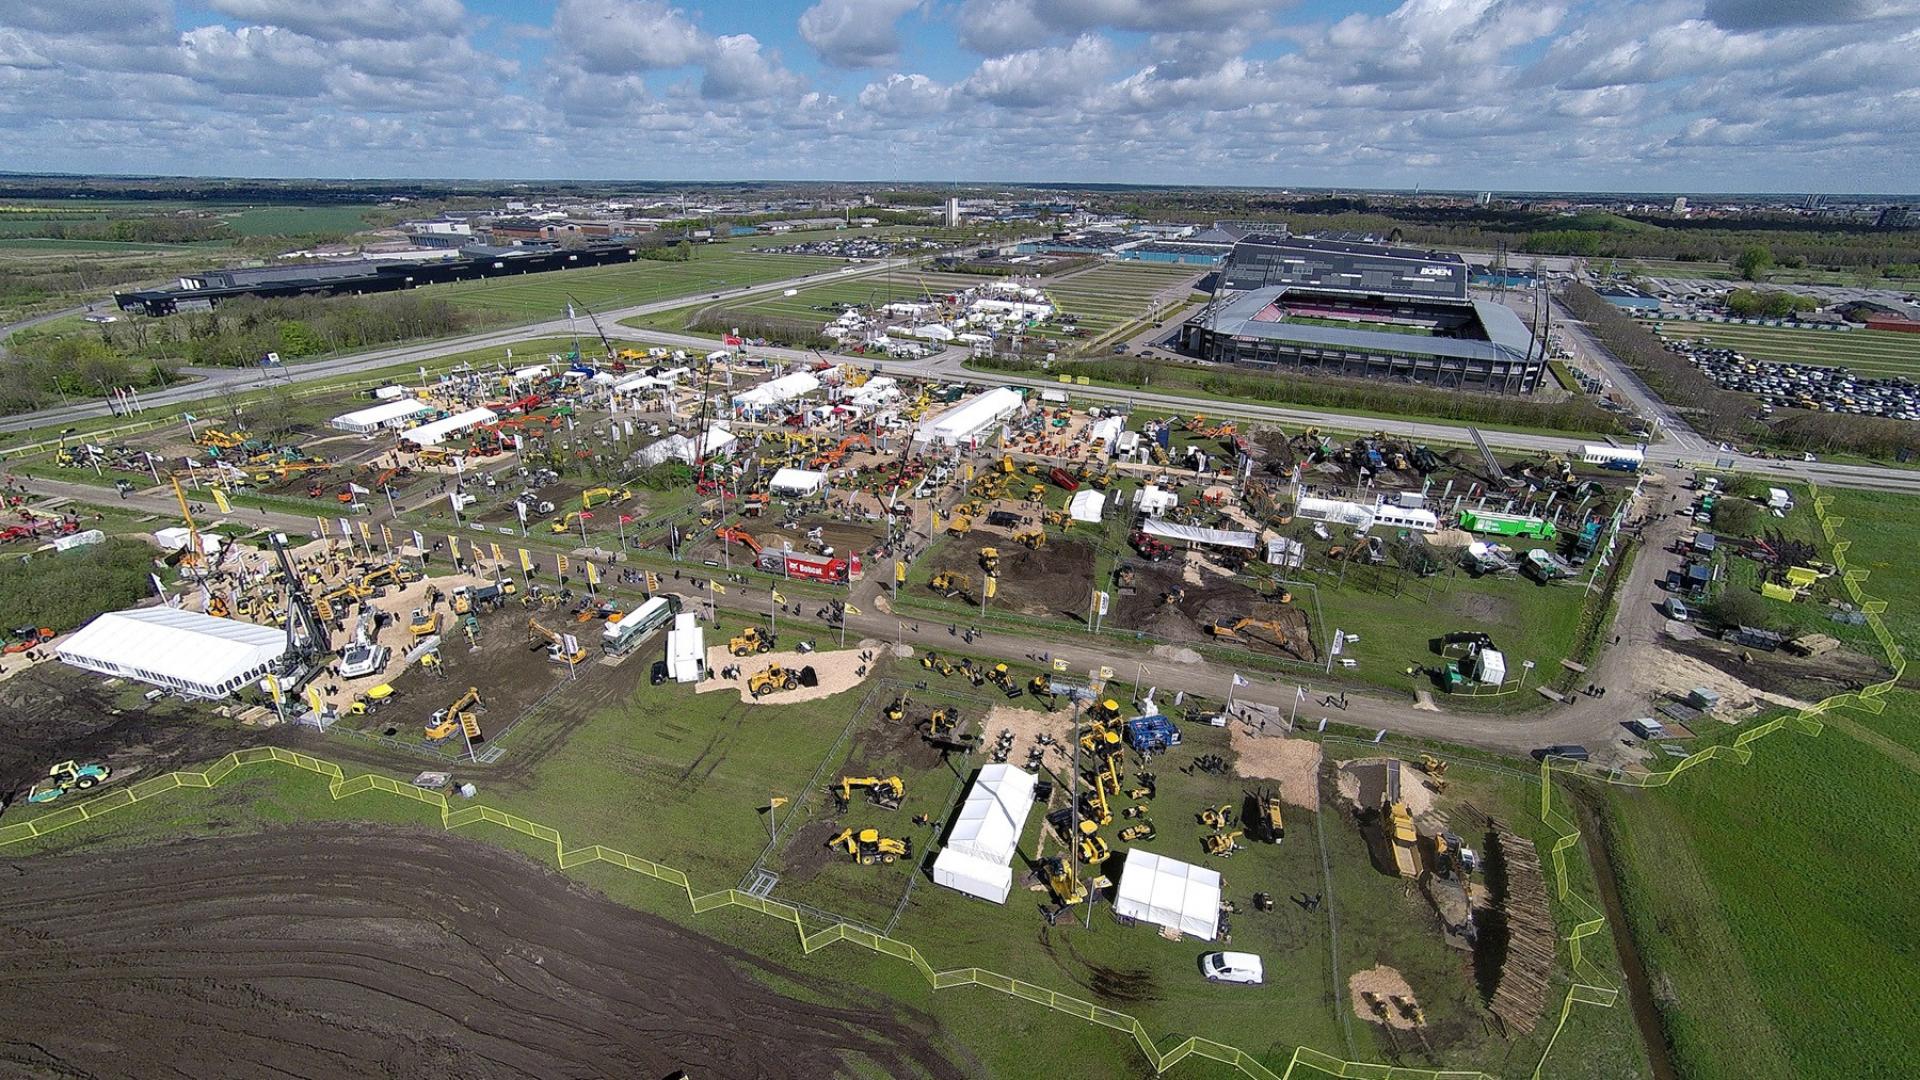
(796, 482)
(1087, 505)
(1155, 500)
(979, 853)
(1167, 892)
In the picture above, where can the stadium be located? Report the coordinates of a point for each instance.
(1361, 311)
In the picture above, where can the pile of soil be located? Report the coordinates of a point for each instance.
(1363, 781)
(1385, 983)
(323, 951)
(1209, 599)
(1295, 763)
(1051, 581)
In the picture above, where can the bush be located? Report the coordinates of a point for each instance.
(65, 589)
(1739, 607)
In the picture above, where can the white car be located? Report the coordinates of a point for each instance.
(1232, 967)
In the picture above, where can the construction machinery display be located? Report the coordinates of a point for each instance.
(885, 792)
(68, 776)
(750, 641)
(558, 644)
(868, 847)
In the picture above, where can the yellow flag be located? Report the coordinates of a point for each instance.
(220, 500)
(477, 553)
(777, 802)
(716, 587)
(653, 581)
(498, 555)
(560, 564)
(366, 532)
(273, 687)
(936, 521)
(386, 534)
(313, 697)
(993, 586)
(850, 609)
(526, 562)
(453, 545)
(969, 472)
(593, 573)
(777, 598)
(899, 571)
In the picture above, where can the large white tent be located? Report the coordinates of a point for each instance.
(185, 651)
(437, 432)
(1087, 505)
(796, 482)
(971, 419)
(391, 414)
(1168, 892)
(979, 853)
(775, 391)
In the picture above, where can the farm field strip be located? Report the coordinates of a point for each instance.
(1876, 352)
(605, 288)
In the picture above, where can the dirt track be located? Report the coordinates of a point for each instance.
(330, 951)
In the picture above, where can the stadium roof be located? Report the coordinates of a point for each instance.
(1354, 247)
(1508, 337)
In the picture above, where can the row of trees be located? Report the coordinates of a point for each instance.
(1768, 303)
(1670, 375)
(1362, 395)
(240, 331)
(779, 330)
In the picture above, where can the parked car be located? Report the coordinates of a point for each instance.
(659, 673)
(1570, 751)
(1673, 608)
(1232, 967)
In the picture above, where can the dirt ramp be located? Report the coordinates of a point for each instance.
(328, 951)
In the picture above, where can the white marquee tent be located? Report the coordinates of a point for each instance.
(971, 419)
(796, 482)
(194, 654)
(1087, 505)
(979, 853)
(437, 432)
(1167, 892)
(391, 414)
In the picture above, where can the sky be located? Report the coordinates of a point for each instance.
(1601, 95)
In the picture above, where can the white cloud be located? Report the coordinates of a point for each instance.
(996, 27)
(1036, 78)
(617, 36)
(906, 96)
(737, 70)
(855, 33)
(338, 20)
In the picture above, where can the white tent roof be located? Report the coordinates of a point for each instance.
(1152, 500)
(379, 415)
(971, 418)
(153, 644)
(1087, 505)
(1106, 429)
(1197, 535)
(1167, 892)
(774, 391)
(979, 853)
(796, 481)
(435, 433)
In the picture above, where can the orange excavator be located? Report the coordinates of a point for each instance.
(730, 535)
(830, 458)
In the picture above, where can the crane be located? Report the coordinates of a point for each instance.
(612, 356)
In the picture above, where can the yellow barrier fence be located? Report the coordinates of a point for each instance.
(1590, 985)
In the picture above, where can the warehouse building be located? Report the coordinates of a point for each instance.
(1361, 311)
(182, 651)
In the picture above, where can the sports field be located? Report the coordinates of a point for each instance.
(1111, 295)
(605, 288)
(1877, 353)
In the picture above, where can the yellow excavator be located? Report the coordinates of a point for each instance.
(1217, 818)
(1232, 630)
(773, 680)
(897, 711)
(750, 641)
(1221, 844)
(556, 644)
(593, 497)
(1034, 539)
(885, 792)
(1060, 880)
(456, 716)
(868, 847)
(423, 622)
(990, 560)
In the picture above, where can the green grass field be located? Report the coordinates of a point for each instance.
(1767, 900)
(605, 288)
(327, 220)
(1876, 353)
(820, 303)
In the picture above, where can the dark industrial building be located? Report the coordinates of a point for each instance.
(1361, 311)
(204, 290)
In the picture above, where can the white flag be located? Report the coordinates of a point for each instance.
(358, 490)
(1239, 680)
(1300, 693)
(1381, 735)
(1323, 724)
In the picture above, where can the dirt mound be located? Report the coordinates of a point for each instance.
(352, 952)
(1049, 581)
(838, 671)
(1364, 780)
(1384, 983)
(1295, 763)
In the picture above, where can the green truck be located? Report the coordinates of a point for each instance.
(1493, 524)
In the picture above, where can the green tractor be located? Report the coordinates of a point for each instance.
(67, 776)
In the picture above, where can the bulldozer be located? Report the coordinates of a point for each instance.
(1094, 848)
(556, 644)
(1432, 766)
(422, 622)
(455, 716)
(990, 560)
(885, 792)
(868, 847)
(773, 680)
(999, 676)
(1142, 831)
(69, 776)
(1034, 539)
(897, 711)
(1221, 844)
(1042, 687)
(749, 642)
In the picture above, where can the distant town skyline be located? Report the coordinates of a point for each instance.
(1706, 96)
